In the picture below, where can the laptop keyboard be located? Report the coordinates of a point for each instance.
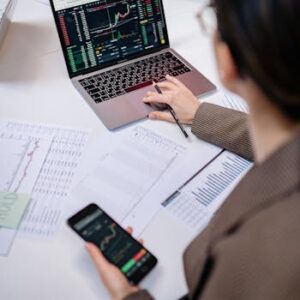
(108, 85)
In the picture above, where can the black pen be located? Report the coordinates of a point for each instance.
(172, 112)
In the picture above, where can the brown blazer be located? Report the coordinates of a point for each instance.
(251, 248)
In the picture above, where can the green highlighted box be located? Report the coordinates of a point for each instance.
(128, 266)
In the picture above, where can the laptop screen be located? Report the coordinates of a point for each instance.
(98, 34)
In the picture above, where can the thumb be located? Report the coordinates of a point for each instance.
(161, 115)
(98, 258)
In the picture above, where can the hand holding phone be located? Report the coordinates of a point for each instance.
(113, 279)
(116, 244)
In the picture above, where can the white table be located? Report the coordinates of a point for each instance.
(34, 86)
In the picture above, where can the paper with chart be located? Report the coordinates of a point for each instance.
(56, 175)
(196, 202)
(139, 169)
(129, 167)
(21, 159)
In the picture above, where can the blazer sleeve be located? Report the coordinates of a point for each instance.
(223, 127)
(140, 295)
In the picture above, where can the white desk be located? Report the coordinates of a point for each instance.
(34, 86)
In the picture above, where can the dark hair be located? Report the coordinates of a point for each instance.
(264, 39)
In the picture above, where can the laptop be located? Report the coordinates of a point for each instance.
(114, 50)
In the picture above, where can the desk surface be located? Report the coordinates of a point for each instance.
(34, 86)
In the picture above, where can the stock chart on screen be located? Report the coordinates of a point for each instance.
(96, 33)
(113, 241)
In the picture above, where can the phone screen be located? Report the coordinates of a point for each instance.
(95, 226)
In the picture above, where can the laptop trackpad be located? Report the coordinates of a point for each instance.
(149, 85)
(135, 99)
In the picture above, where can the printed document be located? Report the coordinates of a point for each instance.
(197, 201)
(56, 174)
(138, 169)
(21, 159)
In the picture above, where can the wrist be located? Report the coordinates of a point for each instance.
(125, 293)
(193, 113)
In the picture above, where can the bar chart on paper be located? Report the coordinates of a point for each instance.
(216, 182)
(198, 200)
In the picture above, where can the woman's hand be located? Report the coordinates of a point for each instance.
(178, 96)
(114, 280)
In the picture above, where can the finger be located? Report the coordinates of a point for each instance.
(161, 115)
(153, 98)
(129, 230)
(99, 260)
(175, 81)
(167, 85)
(169, 93)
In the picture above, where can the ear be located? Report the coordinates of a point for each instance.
(226, 65)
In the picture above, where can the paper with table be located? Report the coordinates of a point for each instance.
(196, 202)
(137, 170)
(21, 159)
(41, 161)
(130, 181)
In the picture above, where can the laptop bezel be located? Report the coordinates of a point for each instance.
(109, 64)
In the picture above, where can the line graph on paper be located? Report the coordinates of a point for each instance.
(46, 170)
(20, 162)
(58, 152)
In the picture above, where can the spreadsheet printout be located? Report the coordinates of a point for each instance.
(135, 170)
(196, 202)
(55, 179)
(21, 160)
(130, 165)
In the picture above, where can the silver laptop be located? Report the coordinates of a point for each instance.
(114, 50)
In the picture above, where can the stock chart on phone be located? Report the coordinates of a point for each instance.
(113, 241)
(96, 33)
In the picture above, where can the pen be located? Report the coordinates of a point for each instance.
(172, 112)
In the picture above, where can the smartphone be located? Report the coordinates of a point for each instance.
(116, 244)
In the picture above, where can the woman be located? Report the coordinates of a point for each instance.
(251, 249)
